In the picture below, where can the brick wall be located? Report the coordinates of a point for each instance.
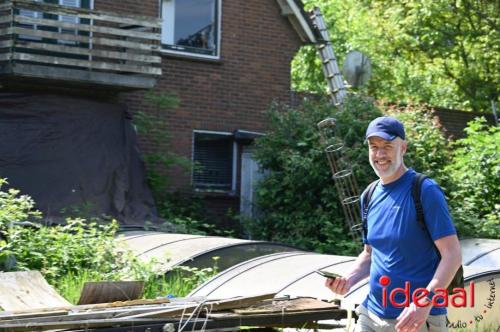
(257, 46)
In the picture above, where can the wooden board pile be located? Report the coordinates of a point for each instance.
(31, 304)
(169, 315)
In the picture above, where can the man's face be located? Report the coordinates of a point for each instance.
(386, 157)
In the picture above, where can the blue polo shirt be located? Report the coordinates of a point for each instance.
(401, 247)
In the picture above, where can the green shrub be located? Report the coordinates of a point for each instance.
(475, 171)
(62, 249)
(298, 199)
(13, 208)
(79, 251)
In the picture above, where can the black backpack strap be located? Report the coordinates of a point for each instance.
(416, 192)
(458, 279)
(367, 196)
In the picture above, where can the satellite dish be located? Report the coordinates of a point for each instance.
(357, 68)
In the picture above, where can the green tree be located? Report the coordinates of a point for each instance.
(475, 170)
(440, 52)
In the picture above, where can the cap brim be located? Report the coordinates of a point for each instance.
(382, 135)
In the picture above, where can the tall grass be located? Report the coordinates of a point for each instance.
(178, 282)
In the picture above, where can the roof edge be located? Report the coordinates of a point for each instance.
(300, 20)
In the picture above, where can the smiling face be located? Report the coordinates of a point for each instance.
(386, 158)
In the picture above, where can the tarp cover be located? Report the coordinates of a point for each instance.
(73, 154)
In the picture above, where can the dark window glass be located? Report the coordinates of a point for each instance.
(190, 26)
(213, 157)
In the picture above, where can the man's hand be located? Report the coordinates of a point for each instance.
(412, 318)
(338, 285)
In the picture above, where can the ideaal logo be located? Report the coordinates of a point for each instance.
(440, 298)
(468, 311)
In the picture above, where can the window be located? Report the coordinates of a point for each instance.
(191, 26)
(213, 155)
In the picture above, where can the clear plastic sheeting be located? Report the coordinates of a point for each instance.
(481, 252)
(195, 250)
(290, 273)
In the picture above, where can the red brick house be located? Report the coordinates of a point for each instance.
(226, 60)
(226, 69)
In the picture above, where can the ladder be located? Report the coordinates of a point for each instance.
(344, 180)
(336, 87)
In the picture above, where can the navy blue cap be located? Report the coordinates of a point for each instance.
(386, 127)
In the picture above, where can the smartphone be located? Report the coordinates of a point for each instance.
(328, 274)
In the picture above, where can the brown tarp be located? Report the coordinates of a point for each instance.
(74, 156)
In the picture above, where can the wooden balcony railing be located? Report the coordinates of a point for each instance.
(76, 44)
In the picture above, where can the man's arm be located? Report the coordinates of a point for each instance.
(413, 317)
(360, 271)
(451, 259)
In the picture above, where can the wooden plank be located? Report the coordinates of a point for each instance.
(87, 27)
(294, 305)
(51, 35)
(27, 290)
(86, 51)
(5, 6)
(87, 64)
(110, 291)
(44, 312)
(149, 22)
(126, 44)
(5, 19)
(5, 56)
(6, 43)
(110, 313)
(6, 31)
(84, 39)
(146, 21)
(215, 305)
(82, 76)
(80, 324)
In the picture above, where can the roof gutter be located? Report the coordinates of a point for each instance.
(294, 11)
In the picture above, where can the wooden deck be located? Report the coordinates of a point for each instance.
(77, 45)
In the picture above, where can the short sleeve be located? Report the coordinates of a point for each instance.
(436, 214)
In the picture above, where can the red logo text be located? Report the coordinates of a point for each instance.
(439, 299)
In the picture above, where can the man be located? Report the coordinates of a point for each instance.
(396, 247)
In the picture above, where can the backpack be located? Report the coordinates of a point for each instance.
(458, 279)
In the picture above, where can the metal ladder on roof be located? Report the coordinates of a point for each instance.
(336, 87)
(343, 178)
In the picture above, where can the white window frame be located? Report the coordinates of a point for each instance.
(234, 160)
(193, 54)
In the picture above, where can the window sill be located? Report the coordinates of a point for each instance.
(216, 193)
(191, 56)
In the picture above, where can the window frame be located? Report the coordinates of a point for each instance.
(193, 54)
(234, 160)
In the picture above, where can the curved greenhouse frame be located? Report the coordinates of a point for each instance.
(196, 251)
